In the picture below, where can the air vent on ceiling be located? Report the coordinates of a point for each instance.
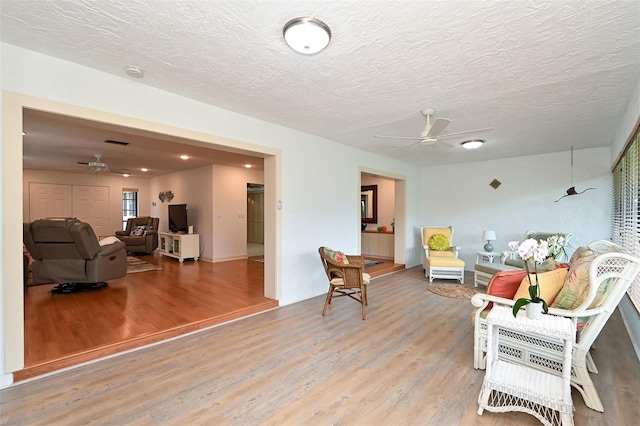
(116, 142)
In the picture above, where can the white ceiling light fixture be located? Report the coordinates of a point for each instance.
(134, 71)
(307, 36)
(473, 143)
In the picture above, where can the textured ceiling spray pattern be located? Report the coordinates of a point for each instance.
(512, 66)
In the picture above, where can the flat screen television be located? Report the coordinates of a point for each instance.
(178, 218)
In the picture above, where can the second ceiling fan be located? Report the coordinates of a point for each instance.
(432, 131)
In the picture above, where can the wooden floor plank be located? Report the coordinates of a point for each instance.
(409, 362)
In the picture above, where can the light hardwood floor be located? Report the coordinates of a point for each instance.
(409, 363)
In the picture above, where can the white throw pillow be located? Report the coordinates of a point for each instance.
(107, 241)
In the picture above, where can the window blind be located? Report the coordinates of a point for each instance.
(626, 207)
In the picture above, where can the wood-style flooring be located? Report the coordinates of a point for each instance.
(409, 363)
(142, 308)
(138, 309)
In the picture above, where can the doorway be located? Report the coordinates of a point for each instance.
(255, 219)
(14, 105)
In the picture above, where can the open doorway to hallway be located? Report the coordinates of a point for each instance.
(382, 239)
(255, 220)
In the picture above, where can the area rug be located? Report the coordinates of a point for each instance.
(371, 262)
(135, 265)
(455, 291)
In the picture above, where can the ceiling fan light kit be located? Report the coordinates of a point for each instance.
(473, 143)
(432, 132)
(306, 36)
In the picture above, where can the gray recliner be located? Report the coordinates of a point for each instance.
(67, 251)
(140, 235)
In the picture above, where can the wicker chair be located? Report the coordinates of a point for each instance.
(346, 277)
(610, 266)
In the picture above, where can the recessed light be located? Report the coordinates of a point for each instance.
(248, 166)
(473, 143)
(184, 157)
(144, 169)
(306, 35)
(126, 174)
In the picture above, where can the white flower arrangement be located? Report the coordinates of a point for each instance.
(557, 245)
(536, 252)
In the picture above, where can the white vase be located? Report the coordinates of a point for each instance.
(534, 310)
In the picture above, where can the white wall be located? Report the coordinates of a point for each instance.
(524, 201)
(195, 189)
(230, 210)
(317, 180)
(114, 182)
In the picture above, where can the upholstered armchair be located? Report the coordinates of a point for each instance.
(140, 235)
(67, 251)
(440, 255)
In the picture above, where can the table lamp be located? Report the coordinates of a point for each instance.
(488, 236)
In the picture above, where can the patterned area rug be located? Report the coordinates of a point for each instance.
(135, 265)
(455, 291)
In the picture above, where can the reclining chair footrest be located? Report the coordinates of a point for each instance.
(65, 288)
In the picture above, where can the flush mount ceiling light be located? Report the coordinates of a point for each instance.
(134, 71)
(306, 35)
(473, 143)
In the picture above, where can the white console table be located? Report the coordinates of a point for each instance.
(179, 246)
(512, 387)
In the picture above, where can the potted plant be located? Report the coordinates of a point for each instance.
(532, 252)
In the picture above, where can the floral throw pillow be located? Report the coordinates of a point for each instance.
(138, 231)
(439, 242)
(336, 256)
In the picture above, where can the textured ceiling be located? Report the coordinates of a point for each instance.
(545, 75)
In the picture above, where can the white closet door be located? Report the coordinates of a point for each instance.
(91, 205)
(49, 200)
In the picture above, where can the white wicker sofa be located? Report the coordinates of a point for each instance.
(610, 273)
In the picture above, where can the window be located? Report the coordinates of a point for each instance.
(129, 205)
(626, 208)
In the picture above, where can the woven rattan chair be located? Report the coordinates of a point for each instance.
(346, 277)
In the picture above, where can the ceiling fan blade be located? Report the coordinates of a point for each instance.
(397, 137)
(456, 134)
(438, 126)
(403, 147)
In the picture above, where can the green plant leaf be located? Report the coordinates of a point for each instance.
(533, 292)
(545, 307)
(519, 304)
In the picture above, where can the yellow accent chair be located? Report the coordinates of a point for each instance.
(440, 255)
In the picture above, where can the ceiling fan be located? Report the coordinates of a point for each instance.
(99, 166)
(432, 131)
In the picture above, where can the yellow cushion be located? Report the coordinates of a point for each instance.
(439, 242)
(550, 285)
(339, 281)
(442, 254)
(451, 262)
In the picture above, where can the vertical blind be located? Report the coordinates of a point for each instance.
(626, 208)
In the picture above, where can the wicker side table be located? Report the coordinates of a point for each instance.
(511, 387)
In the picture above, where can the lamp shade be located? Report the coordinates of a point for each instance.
(489, 235)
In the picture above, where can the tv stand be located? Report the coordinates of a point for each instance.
(179, 246)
